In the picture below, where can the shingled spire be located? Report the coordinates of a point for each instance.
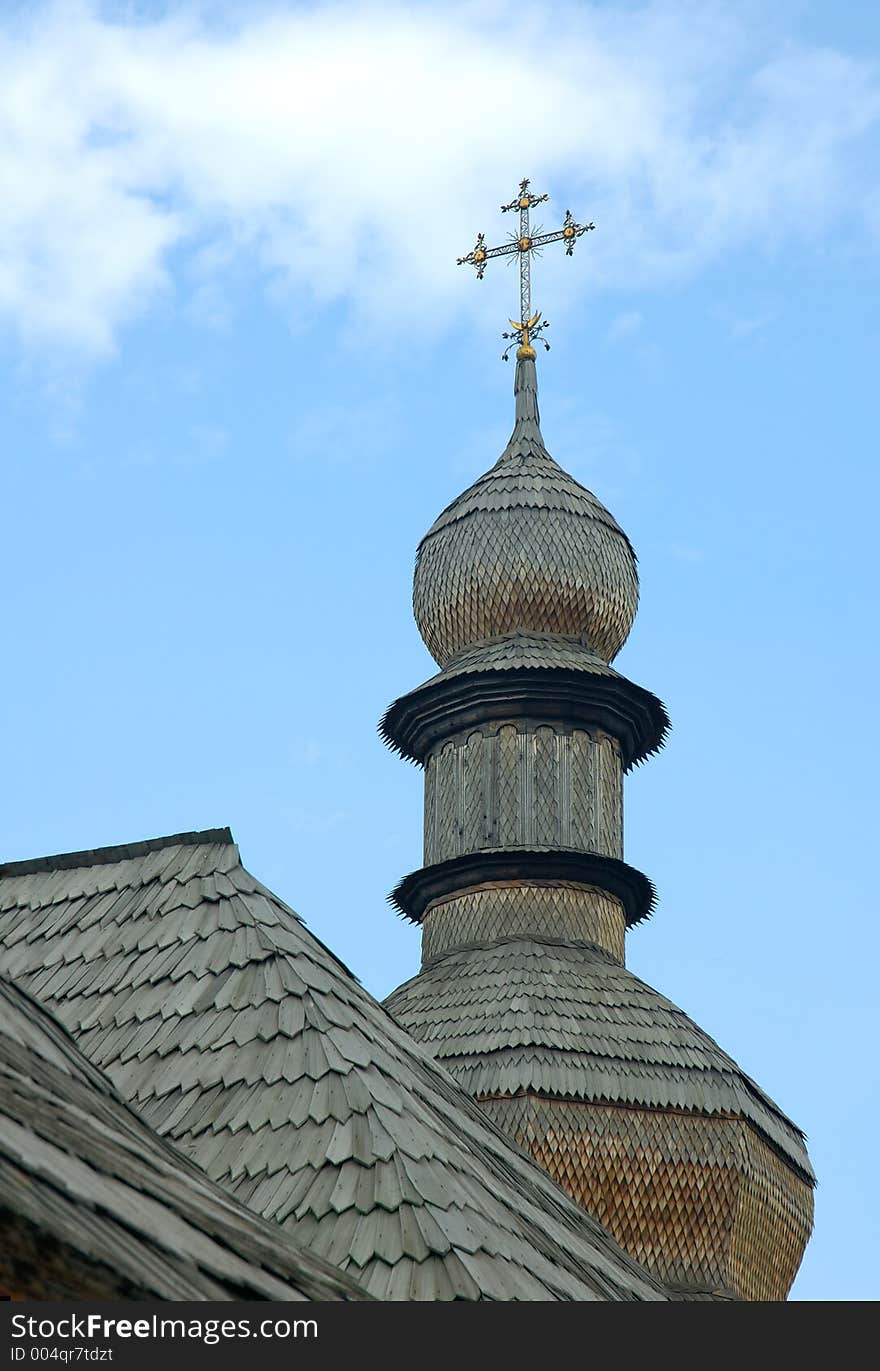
(525, 589)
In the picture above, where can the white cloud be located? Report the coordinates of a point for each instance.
(744, 324)
(625, 325)
(310, 753)
(352, 150)
(686, 552)
(317, 824)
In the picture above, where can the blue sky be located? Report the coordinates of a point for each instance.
(242, 374)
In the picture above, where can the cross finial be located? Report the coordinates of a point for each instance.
(529, 326)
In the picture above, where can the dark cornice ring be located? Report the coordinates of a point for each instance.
(412, 896)
(418, 722)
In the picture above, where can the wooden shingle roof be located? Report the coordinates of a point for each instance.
(93, 1203)
(526, 548)
(236, 1034)
(565, 1019)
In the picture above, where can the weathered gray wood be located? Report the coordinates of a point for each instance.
(265, 1061)
(560, 1017)
(526, 547)
(533, 784)
(131, 1215)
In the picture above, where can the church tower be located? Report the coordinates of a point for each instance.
(525, 590)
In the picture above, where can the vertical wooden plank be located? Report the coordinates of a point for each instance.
(490, 791)
(473, 804)
(544, 788)
(508, 785)
(526, 835)
(430, 835)
(563, 752)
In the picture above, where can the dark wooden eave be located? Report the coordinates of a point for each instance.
(415, 892)
(444, 706)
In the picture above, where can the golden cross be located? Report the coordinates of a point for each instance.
(528, 326)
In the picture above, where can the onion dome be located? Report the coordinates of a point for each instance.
(525, 549)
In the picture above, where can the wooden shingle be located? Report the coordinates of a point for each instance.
(93, 1202)
(260, 1056)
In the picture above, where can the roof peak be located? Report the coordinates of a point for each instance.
(99, 856)
(527, 418)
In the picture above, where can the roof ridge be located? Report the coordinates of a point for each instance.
(101, 856)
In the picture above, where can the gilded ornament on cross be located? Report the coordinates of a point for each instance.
(528, 327)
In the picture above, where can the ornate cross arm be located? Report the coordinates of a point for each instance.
(480, 254)
(525, 200)
(569, 234)
(524, 244)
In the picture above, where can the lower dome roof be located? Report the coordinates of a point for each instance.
(565, 1019)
